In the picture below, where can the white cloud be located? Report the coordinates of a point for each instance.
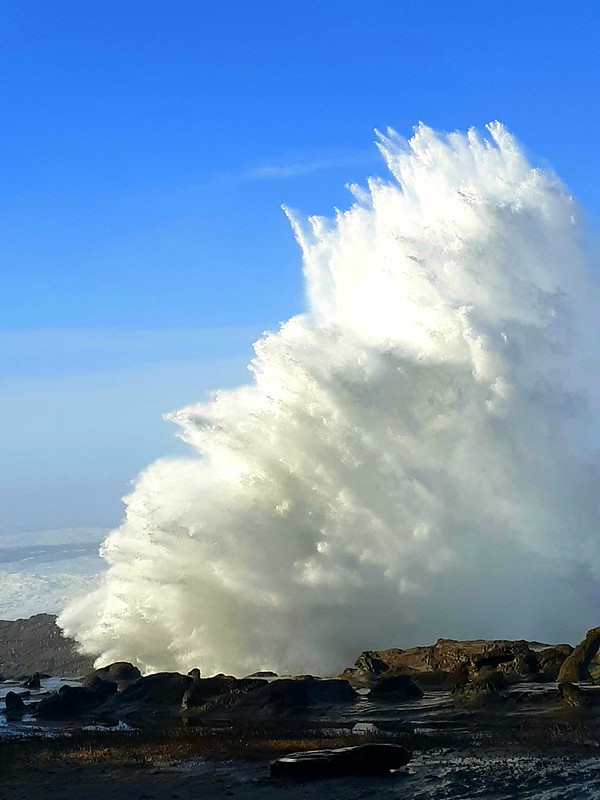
(304, 165)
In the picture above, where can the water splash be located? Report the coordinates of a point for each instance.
(412, 459)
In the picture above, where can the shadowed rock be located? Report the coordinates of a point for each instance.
(396, 687)
(122, 673)
(573, 695)
(576, 666)
(485, 690)
(551, 659)
(205, 690)
(162, 691)
(260, 698)
(15, 706)
(365, 759)
(34, 682)
(70, 703)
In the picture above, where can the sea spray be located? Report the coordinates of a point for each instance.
(414, 457)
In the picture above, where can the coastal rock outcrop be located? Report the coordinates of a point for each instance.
(72, 702)
(160, 692)
(38, 644)
(576, 666)
(450, 661)
(260, 698)
(120, 672)
(395, 687)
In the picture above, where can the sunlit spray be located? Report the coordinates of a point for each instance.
(414, 457)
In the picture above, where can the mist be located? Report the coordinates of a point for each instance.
(415, 456)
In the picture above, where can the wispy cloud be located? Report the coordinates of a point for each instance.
(306, 164)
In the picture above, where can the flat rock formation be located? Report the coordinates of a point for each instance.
(38, 645)
(451, 661)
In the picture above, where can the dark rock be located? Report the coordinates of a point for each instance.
(195, 674)
(37, 643)
(573, 695)
(287, 696)
(71, 702)
(33, 682)
(365, 759)
(576, 666)
(14, 704)
(485, 690)
(440, 680)
(105, 689)
(206, 689)
(551, 659)
(517, 659)
(122, 673)
(161, 692)
(257, 697)
(396, 687)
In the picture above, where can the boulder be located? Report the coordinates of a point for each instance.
(365, 759)
(287, 696)
(205, 690)
(396, 687)
(576, 666)
(195, 674)
(551, 659)
(120, 672)
(484, 690)
(32, 682)
(71, 702)
(573, 695)
(161, 692)
(256, 697)
(14, 704)
(447, 657)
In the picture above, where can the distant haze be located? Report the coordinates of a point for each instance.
(415, 456)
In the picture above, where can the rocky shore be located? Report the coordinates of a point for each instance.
(37, 644)
(437, 704)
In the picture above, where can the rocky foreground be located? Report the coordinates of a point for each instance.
(472, 674)
(514, 715)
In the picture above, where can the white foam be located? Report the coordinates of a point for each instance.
(414, 457)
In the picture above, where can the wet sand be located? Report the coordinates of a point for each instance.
(434, 776)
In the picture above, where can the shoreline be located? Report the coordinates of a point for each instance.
(185, 764)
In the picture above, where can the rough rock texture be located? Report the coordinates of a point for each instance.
(38, 645)
(71, 702)
(576, 666)
(160, 692)
(122, 673)
(551, 659)
(205, 690)
(258, 698)
(395, 687)
(484, 690)
(573, 695)
(452, 660)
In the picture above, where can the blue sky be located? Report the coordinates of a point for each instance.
(145, 151)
